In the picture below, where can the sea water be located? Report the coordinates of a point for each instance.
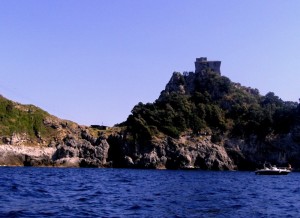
(79, 192)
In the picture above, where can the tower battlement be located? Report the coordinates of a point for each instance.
(203, 64)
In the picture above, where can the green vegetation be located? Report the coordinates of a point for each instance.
(215, 105)
(17, 118)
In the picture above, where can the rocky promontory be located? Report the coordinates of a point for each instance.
(201, 120)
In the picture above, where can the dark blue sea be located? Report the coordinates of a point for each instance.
(78, 192)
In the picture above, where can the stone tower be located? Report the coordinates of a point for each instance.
(202, 64)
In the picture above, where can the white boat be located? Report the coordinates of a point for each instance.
(273, 170)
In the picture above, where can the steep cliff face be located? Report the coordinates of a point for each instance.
(201, 120)
(166, 153)
(67, 144)
(70, 146)
(251, 128)
(251, 153)
(246, 151)
(170, 153)
(183, 84)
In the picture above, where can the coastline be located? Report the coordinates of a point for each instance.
(15, 155)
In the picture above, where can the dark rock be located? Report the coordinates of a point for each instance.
(37, 161)
(90, 163)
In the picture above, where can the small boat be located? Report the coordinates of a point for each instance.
(189, 167)
(273, 170)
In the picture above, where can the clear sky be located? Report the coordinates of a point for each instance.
(91, 61)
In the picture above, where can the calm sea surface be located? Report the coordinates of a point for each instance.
(57, 192)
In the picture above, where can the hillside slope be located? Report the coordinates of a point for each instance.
(30, 136)
(30, 124)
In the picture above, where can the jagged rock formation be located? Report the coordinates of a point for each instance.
(183, 153)
(251, 128)
(75, 146)
(200, 121)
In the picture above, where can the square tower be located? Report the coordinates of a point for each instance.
(202, 64)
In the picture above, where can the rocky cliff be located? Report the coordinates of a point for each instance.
(68, 144)
(169, 153)
(249, 128)
(117, 151)
(247, 151)
(200, 121)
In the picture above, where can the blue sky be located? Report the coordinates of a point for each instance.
(92, 61)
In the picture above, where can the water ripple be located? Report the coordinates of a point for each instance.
(56, 192)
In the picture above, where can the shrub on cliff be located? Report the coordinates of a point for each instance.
(216, 103)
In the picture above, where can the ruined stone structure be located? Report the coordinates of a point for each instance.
(202, 64)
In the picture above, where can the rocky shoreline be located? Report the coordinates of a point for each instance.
(163, 153)
(186, 152)
(15, 155)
